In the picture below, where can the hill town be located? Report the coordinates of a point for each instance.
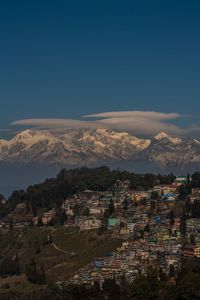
(129, 225)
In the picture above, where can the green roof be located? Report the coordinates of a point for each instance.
(113, 222)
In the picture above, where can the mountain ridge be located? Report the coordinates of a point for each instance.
(96, 146)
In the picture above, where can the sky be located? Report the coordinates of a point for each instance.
(130, 65)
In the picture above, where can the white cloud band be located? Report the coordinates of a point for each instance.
(136, 122)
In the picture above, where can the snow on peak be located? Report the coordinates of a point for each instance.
(162, 135)
(196, 141)
(30, 137)
(26, 134)
(3, 142)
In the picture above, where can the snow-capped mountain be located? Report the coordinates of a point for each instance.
(97, 146)
(81, 146)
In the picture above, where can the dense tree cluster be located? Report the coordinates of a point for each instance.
(9, 266)
(186, 189)
(35, 274)
(51, 192)
(153, 286)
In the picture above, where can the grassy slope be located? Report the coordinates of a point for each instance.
(76, 249)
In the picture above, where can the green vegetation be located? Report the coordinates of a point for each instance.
(33, 258)
(51, 192)
(59, 251)
(153, 286)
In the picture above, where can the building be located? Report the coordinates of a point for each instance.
(48, 216)
(181, 180)
(112, 222)
(191, 251)
(88, 223)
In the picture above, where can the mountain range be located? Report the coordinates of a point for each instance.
(90, 147)
(33, 155)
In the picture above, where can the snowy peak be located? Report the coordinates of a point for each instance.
(26, 134)
(89, 146)
(78, 146)
(30, 134)
(30, 137)
(196, 141)
(164, 136)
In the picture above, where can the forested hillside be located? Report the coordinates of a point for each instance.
(68, 182)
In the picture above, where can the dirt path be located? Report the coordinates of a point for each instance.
(60, 250)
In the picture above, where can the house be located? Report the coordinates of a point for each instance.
(191, 251)
(172, 260)
(140, 195)
(35, 220)
(96, 210)
(88, 223)
(181, 180)
(112, 222)
(193, 225)
(168, 197)
(165, 189)
(48, 216)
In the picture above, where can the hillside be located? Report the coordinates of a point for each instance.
(69, 251)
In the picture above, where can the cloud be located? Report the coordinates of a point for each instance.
(141, 122)
(58, 125)
(53, 123)
(130, 114)
(144, 123)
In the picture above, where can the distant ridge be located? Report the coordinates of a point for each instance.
(99, 146)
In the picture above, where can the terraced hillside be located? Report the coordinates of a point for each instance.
(68, 251)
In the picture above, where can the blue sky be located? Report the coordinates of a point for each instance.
(67, 59)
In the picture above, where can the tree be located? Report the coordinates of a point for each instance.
(76, 209)
(16, 264)
(189, 286)
(195, 209)
(147, 227)
(184, 191)
(125, 204)
(40, 222)
(42, 275)
(111, 208)
(11, 223)
(171, 271)
(153, 205)
(188, 179)
(111, 290)
(9, 266)
(192, 239)
(31, 271)
(145, 287)
(171, 217)
(143, 201)
(183, 224)
(155, 196)
(188, 206)
(37, 246)
(195, 180)
(62, 217)
(86, 212)
(33, 274)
